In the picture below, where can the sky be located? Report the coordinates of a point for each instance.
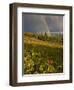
(42, 23)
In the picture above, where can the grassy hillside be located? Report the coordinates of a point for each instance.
(42, 54)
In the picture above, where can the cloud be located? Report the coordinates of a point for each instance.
(42, 23)
(55, 23)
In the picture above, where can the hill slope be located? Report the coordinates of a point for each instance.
(42, 56)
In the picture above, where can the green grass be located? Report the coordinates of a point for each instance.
(42, 56)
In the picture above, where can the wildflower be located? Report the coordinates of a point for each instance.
(50, 61)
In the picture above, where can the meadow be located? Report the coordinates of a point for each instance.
(43, 53)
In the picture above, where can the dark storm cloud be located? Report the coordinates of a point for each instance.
(55, 23)
(42, 23)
